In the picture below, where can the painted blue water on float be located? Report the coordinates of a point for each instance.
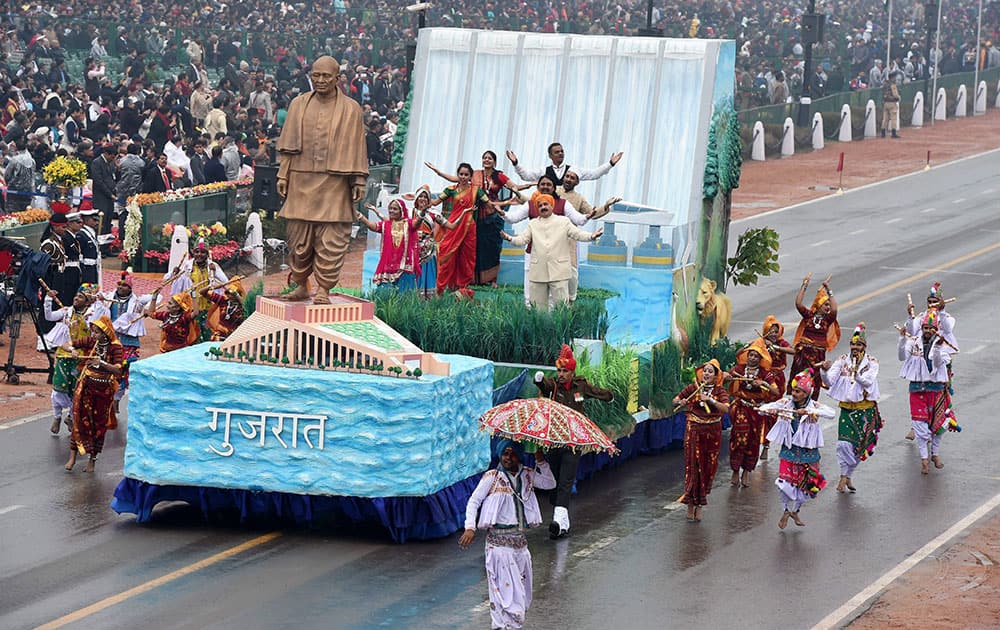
(641, 312)
(383, 436)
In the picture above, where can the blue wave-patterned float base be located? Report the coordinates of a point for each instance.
(403, 518)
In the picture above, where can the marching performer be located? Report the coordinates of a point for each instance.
(853, 383)
(925, 360)
(570, 390)
(193, 274)
(72, 325)
(706, 401)
(752, 384)
(227, 312)
(946, 327)
(818, 332)
(125, 309)
(505, 505)
(780, 350)
(800, 436)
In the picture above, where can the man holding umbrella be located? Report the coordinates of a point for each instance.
(570, 390)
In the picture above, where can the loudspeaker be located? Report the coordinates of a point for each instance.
(265, 189)
(812, 28)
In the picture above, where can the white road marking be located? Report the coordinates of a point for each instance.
(481, 607)
(780, 256)
(959, 200)
(926, 210)
(25, 420)
(896, 220)
(592, 547)
(856, 232)
(977, 349)
(983, 560)
(961, 273)
(10, 508)
(842, 614)
(820, 243)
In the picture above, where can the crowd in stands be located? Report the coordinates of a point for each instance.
(217, 77)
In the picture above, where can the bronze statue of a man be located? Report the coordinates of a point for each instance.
(324, 166)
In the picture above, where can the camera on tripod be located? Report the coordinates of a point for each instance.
(20, 269)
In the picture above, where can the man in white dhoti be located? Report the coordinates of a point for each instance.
(506, 506)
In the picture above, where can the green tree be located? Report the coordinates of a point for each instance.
(756, 255)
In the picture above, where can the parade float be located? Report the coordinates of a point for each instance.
(284, 421)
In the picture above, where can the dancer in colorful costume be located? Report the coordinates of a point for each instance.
(571, 390)
(818, 332)
(946, 327)
(853, 383)
(72, 326)
(126, 310)
(752, 384)
(779, 349)
(93, 401)
(192, 275)
(179, 328)
(504, 504)
(706, 401)
(925, 360)
(227, 311)
(798, 432)
(398, 262)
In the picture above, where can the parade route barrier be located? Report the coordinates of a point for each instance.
(961, 106)
(941, 105)
(979, 104)
(918, 110)
(788, 138)
(817, 132)
(845, 134)
(757, 152)
(870, 131)
(996, 103)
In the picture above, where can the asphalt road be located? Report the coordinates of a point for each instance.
(633, 561)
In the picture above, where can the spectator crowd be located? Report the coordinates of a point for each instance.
(213, 80)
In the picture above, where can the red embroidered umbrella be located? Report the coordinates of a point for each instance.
(545, 422)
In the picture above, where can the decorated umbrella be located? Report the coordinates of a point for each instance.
(544, 422)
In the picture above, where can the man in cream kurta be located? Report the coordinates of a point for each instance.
(550, 267)
(324, 166)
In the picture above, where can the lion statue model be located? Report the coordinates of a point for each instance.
(714, 306)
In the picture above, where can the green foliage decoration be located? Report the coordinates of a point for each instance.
(756, 255)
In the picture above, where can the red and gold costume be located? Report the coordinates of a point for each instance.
(94, 397)
(702, 438)
(226, 313)
(178, 331)
(817, 334)
(746, 397)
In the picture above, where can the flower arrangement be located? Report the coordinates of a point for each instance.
(65, 171)
(24, 217)
(220, 247)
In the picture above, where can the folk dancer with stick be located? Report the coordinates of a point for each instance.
(504, 504)
(93, 401)
(780, 350)
(751, 385)
(853, 383)
(946, 327)
(800, 436)
(705, 401)
(227, 311)
(191, 275)
(925, 360)
(179, 328)
(125, 309)
(571, 390)
(817, 334)
(72, 325)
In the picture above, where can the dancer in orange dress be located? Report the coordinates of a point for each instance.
(94, 396)
(752, 385)
(706, 401)
(818, 332)
(780, 350)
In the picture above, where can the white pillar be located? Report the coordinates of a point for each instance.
(757, 146)
(870, 125)
(254, 241)
(997, 102)
(845, 124)
(178, 247)
(788, 138)
(818, 139)
(961, 107)
(941, 105)
(979, 104)
(918, 110)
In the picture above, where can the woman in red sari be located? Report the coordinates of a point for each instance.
(457, 250)
(706, 401)
(489, 223)
(818, 332)
(94, 397)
